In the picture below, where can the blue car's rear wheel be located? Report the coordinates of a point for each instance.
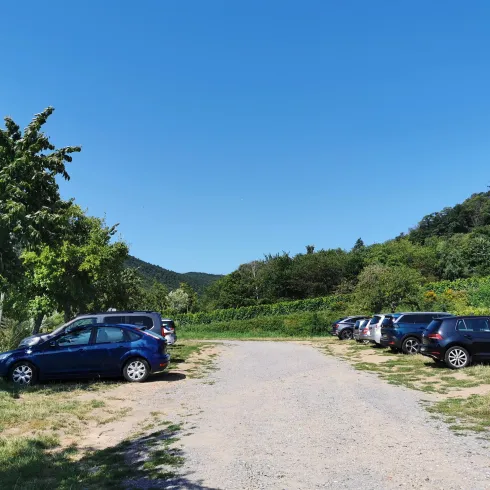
(136, 370)
(23, 373)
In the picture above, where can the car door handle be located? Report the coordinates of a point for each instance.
(468, 336)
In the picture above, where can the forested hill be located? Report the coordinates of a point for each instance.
(450, 244)
(197, 280)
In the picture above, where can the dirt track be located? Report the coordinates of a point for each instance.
(282, 415)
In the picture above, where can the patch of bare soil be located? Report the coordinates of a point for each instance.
(129, 408)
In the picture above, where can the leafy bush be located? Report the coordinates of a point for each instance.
(330, 303)
(293, 325)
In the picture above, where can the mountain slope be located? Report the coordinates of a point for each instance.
(149, 272)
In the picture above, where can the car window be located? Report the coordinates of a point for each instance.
(375, 320)
(78, 337)
(114, 319)
(110, 335)
(474, 325)
(140, 321)
(426, 319)
(81, 323)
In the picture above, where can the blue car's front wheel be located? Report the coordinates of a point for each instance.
(23, 373)
(136, 370)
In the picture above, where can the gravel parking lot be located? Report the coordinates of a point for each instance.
(284, 415)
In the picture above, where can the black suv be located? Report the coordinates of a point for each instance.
(344, 329)
(457, 341)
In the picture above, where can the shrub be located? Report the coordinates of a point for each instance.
(293, 325)
(328, 303)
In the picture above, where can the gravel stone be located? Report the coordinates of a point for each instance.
(282, 415)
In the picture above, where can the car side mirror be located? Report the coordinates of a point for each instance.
(52, 343)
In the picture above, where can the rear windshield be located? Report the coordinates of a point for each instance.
(375, 319)
(434, 326)
(168, 323)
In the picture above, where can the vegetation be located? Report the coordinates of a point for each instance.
(443, 264)
(150, 273)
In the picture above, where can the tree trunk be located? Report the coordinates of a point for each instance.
(67, 313)
(2, 298)
(37, 324)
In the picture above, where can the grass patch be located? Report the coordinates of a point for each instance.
(48, 407)
(38, 463)
(472, 413)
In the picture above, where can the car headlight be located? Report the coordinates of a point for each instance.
(4, 356)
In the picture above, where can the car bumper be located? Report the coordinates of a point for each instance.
(160, 363)
(433, 352)
(390, 342)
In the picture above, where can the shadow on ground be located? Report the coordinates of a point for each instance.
(148, 461)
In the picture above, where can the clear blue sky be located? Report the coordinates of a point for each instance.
(217, 131)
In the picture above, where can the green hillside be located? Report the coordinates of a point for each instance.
(149, 272)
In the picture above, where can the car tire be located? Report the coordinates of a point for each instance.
(136, 370)
(346, 334)
(411, 346)
(457, 357)
(23, 373)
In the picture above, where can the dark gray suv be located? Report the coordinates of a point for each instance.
(150, 320)
(344, 329)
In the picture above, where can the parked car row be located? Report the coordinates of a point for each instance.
(132, 344)
(455, 340)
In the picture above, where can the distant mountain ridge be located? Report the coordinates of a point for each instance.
(149, 272)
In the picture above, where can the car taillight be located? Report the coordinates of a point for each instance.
(434, 336)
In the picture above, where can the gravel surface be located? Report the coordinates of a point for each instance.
(283, 415)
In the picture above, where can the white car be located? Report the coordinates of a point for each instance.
(376, 331)
(168, 331)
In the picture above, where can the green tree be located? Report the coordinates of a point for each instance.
(387, 287)
(156, 298)
(191, 294)
(83, 272)
(31, 210)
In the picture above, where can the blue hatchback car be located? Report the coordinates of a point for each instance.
(92, 350)
(403, 331)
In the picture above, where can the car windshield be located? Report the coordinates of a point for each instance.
(60, 329)
(433, 326)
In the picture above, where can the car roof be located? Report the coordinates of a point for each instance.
(115, 313)
(423, 313)
(471, 316)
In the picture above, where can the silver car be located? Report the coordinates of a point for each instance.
(168, 331)
(376, 336)
(360, 324)
(367, 332)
